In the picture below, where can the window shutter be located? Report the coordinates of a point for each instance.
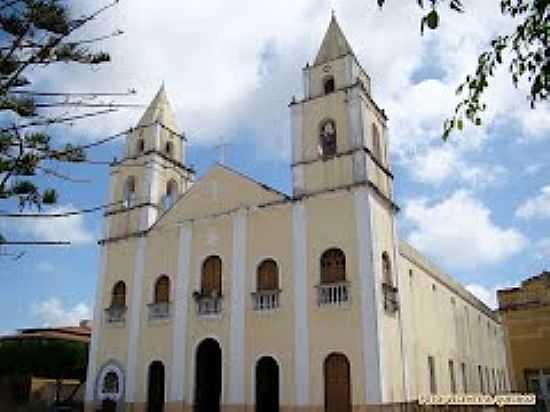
(268, 275)
(212, 276)
(162, 290)
(333, 266)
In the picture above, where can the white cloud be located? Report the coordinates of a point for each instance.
(459, 230)
(537, 206)
(52, 312)
(542, 249)
(440, 164)
(71, 228)
(488, 294)
(234, 66)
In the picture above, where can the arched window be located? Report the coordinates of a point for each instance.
(171, 194)
(119, 295)
(328, 84)
(333, 266)
(327, 139)
(386, 269)
(110, 383)
(129, 192)
(162, 290)
(376, 145)
(268, 275)
(211, 277)
(169, 148)
(140, 146)
(109, 387)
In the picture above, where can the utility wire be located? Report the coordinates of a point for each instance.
(60, 214)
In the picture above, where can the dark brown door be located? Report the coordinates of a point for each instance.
(337, 384)
(267, 385)
(155, 398)
(108, 405)
(208, 376)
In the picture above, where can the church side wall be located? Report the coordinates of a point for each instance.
(391, 350)
(449, 328)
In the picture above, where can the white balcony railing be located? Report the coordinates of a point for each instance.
(115, 314)
(159, 310)
(208, 305)
(332, 293)
(264, 300)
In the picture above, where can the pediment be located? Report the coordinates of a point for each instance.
(220, 190)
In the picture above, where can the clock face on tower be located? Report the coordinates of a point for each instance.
(327, 68)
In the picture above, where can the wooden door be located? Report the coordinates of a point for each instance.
(337, 384)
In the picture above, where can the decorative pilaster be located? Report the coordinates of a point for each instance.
(301, 323)
(236, 344)
(135, 321)
(181, 299)
(369, 312)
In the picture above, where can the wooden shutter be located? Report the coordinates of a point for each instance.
(212, 276)
(268, 275)
(162, 290)
(337, 384)
(119, 295)
(333, 266)
(386, 269)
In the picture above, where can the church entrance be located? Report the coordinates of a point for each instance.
(108, 405)
(155, 394)
(267, 385)
(208, 376)
(337, 383)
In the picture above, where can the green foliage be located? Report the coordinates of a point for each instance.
(35, 33)
(53, 359)
(528, 48)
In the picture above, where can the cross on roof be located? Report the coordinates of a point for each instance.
(221, 147)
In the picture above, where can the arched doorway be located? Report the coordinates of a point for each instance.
(208, 376)
(267, 385)
(110, 387)
(155, 393)
(337, 383)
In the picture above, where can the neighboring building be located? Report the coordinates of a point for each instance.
(226, 291)
(35, 388)
(525, 313)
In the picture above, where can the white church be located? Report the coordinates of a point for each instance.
(223, 294)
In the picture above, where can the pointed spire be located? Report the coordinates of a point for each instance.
(159, 110)
(334, 43)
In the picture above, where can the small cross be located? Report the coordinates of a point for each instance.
(221, 147)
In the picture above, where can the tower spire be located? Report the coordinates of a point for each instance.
(334, 43)
(159, 111)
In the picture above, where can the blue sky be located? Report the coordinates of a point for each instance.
(479, 205)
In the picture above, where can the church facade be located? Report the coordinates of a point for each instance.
(226, 294)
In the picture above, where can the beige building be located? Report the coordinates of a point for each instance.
(227, 294)
(525, 313)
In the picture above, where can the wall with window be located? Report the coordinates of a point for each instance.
(446, 322)
(331, 224)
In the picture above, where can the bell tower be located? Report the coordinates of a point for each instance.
(151, 175)
(339, 134)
